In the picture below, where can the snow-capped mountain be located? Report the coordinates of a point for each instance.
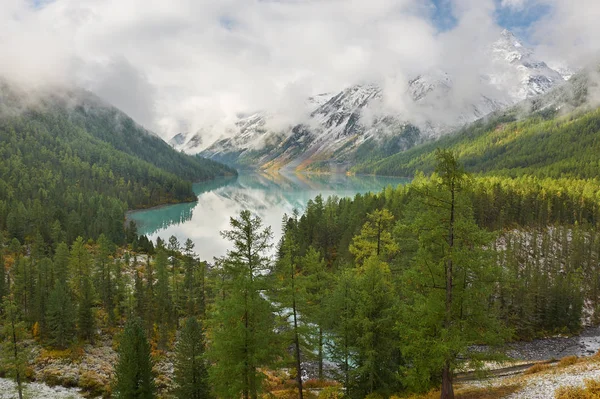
(535, 76)
(355, 124)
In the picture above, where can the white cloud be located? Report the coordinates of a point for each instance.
(570, 31)
(514, 4)
(183, 64)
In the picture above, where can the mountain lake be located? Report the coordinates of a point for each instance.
(269, 196)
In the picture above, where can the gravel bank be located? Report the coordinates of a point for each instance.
(585, 344)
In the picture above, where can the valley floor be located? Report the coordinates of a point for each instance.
(538, 382)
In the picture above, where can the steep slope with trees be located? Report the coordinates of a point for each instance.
(555, 135)
(67, 171)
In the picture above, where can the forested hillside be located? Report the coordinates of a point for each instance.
(355, 298)
(69, 172)
(545, 145)
(556, 135)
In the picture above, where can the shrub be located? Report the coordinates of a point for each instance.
(331, 393)
(590, 391)
(568, 361)
(537, 368)
(315, 383)
(92, 384)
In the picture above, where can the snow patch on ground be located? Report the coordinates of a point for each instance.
(8, 390)
(545, 385)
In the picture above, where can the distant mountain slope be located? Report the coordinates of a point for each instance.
(112, 126)
(554, 135)
(70, 163)
(355, 125)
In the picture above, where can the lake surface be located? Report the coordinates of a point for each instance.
(268, 196)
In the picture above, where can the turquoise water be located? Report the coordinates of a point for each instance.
(269, 196)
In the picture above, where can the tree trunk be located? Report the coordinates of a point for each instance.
(320, 354)
(296, 337)
(298, 360)
(14, 336)
(447, 389)
(247, 377)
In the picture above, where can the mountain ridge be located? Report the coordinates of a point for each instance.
(354, 124)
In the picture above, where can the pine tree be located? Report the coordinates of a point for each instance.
(79, 266)
(148, 293)
(60, 316)
(375, 238)
(42, 292)
(191, 368)
(61, 263)
(291, 293)
(449, 282)
(139, 297)
(164, 306)
(85, 314)
(317, 282)
(376, 347)
(193, 282)
(174, 248)
(133, 372)
(103, 272)
(20, 273)
(341, 307)
(242, 324)
(120, 290)
(15, 356)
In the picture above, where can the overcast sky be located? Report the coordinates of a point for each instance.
(178, 65)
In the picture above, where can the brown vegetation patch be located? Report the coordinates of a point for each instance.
(473, 393)
(568, 361)
(590, 391)
(537, 368)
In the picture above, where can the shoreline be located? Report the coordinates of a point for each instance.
(130, 212)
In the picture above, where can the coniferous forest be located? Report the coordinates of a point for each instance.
(300, 199)
(383, 295)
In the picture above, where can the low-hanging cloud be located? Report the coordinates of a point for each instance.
(190, 64)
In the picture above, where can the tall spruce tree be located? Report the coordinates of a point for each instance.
(79, 266)
(14, 356)
(375, 238)
(318, 283)
(174, 247)
(61, 263)
(191, 367)
(242, 322)
(60, 316)
(103, 279)
(449, 281)
(163, 299)
(376, 345)
(133, 372)
(85, 314)
(291, 294)
(341, 304)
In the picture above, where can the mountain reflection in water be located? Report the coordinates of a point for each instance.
(267, 195)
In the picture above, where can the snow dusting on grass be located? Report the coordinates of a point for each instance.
(8, 390)
(544, 386)
(543, 382)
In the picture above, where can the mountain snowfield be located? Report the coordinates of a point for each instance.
(358, 122)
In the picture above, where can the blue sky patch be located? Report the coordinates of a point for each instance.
(517, 20)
